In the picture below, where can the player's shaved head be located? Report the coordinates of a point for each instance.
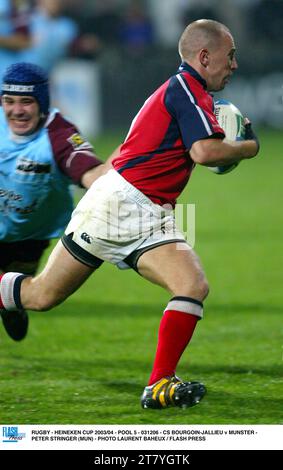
(201, 34)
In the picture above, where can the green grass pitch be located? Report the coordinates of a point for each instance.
(87, 361)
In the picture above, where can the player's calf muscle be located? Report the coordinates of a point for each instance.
(35, 296)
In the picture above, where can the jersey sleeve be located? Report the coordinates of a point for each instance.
(73, 154)
(194, 115)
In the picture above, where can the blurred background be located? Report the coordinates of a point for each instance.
(106, 56)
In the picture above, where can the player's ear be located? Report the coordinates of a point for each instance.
(204, 57)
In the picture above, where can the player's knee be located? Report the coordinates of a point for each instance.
(203, 289)
(197, 288)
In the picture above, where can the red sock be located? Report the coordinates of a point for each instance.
(175, 331)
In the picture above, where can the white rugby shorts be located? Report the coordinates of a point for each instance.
(114, 219)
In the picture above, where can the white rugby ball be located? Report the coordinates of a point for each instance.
(231, 120)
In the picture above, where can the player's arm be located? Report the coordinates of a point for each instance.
(91, 175)
(217, 152)
(74, 155)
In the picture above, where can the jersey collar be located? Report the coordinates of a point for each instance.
(22, 139)
(184, 67)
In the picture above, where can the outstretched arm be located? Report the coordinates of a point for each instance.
(91, 175)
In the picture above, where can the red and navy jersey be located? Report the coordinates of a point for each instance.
(155, 157)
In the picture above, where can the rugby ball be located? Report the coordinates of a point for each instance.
(231, 120)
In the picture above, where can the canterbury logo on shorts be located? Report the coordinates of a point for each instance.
(86, 238)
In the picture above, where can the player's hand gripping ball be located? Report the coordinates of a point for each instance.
(231, 120)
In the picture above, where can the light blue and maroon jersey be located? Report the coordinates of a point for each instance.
(155, 157)
(36, 172)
